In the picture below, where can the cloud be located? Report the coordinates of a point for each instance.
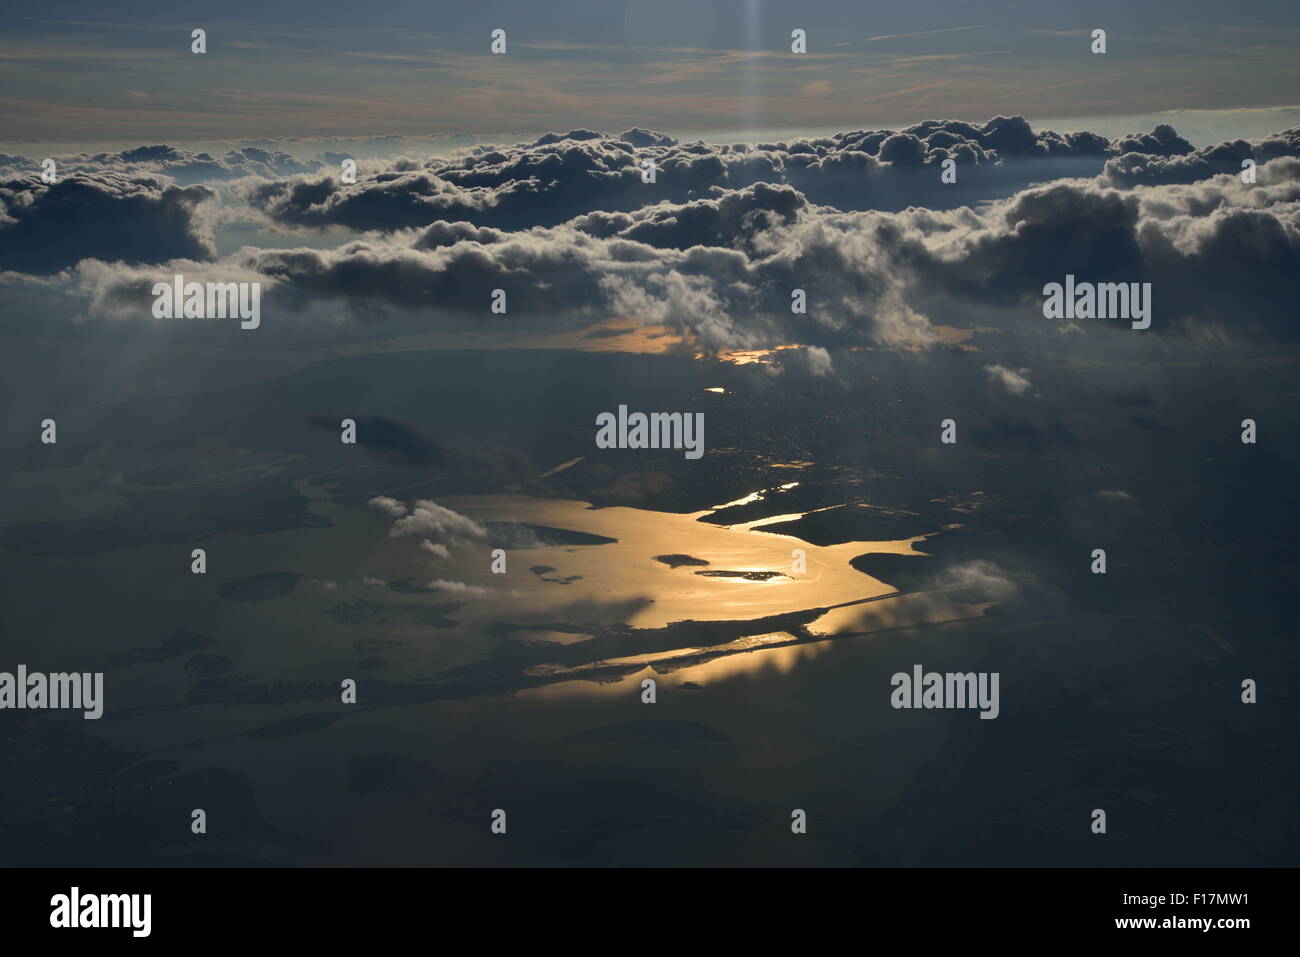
(1161, 141)
(1191, 166)
(107, 216)
(183, 166)
(818, 360)
(389, 506)
(719, 268)
(726, 218)
(563, 175)
(437, 527)
(457, 588)
(1219, 254)
(438, 550)
(977, 581)
(1115, 495)
(429, 520)
(1015, 381)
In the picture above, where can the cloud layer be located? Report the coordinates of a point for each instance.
(718, 247)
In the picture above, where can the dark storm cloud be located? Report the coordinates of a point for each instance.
(107, 216)
(563, 175)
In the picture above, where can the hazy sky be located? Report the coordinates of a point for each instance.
(80, 71)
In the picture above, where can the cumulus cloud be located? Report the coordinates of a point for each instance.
(183, 166)
(1161, 141)
(107, 216)
(1015, 381)
(719, 265)
(429, 520)
(1215, 246)
(563, 175)
(1216, 252)
(457, 588)
(437, 527)
(1191, 166)
(389, 506)
(818, 360)
(727, 218)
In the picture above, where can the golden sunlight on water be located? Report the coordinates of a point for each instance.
(770, 654)
(747, 643)
(751, 497)
(623, 581)
(591, 617)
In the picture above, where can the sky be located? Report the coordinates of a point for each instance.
(95, 73)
